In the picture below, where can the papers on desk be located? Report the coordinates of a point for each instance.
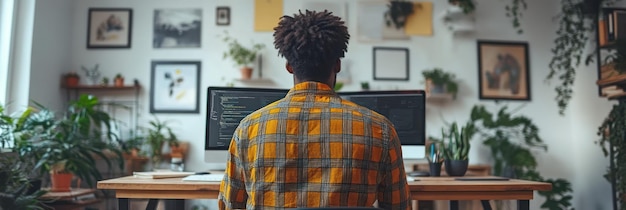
(161, 174)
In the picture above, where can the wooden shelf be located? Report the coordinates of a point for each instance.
(619, 80)
(256, 81)
(101, 87)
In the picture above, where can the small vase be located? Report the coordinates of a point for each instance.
(456, 167)
(246, 73)
(118, 82)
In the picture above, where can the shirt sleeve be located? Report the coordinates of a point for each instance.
(233, 193)
(393, 191)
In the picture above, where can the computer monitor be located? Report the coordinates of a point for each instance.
(406, 109)
(226, 106)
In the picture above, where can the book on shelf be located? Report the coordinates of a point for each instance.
(611, 26)
(161, 174)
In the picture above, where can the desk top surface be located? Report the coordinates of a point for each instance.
(423, 184)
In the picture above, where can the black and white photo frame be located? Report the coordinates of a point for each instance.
(175, 87)
(391, 63)
(222, 16)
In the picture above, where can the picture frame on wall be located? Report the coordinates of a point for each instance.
(177, 28)
(175, 87)
(222, 16)
(503, 70)
(391, 63)
(109, 28)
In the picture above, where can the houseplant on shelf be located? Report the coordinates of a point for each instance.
(455, 146)
(439, 81)
(241, 55)
(158, 134)
(468, 6)
(118, 81)
(397, 13)
(71, 79)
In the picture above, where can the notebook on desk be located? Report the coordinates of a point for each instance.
(161, 174)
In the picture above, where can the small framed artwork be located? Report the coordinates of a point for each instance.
(222, 16)
(109, 27)
(503, 70)
(391, 63)
(175, 87)
(177, 28)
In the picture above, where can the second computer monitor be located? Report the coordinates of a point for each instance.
(405, 109)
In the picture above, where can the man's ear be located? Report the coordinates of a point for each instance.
(289, 68)
(337, 68)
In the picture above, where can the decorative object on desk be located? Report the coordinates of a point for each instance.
(159, 134)
(440, 82)
(71, 79)
(222, 16)
(175, 87)
(397, 13)
(105, 81)
(67, 145)
(109, 28)
(93, 74)
(118, 80)
(14, 185)
(512, 140)
(468, 6)
(455, 146)
(241, 55)
(435, 158)
(365, 86)
(177, 28)
(503, 70)
(391, 63)
(613, 144)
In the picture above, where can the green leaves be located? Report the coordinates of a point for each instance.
(455, 143)
(240, 54)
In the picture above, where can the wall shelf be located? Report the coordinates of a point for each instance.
(259, 81)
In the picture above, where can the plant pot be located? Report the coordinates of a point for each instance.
(71, 81)
(456, 167)
(432, 88)
(118, 82)
(61, 182)
(246, 73)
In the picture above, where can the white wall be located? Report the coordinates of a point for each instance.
(566, 135)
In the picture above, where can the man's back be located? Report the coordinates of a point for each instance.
(314, 149)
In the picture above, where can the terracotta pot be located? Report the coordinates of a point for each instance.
(119, 82)
(71, 81)
(246, 73)
(61, 182)
(180, 150)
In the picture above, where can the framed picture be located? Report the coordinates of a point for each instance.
(503, 70)
(175, 87)
(109, 27)
(222, 16)
(177, 28)
(391, 63)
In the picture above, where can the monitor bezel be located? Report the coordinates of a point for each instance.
(208, 107)
(397, 92)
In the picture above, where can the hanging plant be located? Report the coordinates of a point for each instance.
(514, 11)
(467, 6)
(612, 137)
(397, 13)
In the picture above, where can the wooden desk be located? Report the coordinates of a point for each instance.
(427, 188)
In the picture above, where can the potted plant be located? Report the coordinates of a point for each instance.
(397, 13)
(241, 55)
(66, 146)
(455, 146)
(365, 86)
(105, 81)
(118, 81)
(71, 79)
(158, 134)
(438, 82)
(467, 6)
(15, 192)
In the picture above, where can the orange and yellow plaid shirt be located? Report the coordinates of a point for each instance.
(314, 149)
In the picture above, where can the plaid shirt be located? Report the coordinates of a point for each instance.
(314, 149)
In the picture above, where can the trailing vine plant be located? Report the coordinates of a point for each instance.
(612, 134)
(514, 11)
(397, 13)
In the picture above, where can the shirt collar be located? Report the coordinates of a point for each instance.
(310, 87)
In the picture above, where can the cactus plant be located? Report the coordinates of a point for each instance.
(456, 143)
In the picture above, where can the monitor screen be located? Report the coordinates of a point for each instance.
(226, 106)
(406, 109)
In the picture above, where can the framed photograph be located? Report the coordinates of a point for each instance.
(177, 28)
(503, 70)
(109, 27)
(391, 63)
(175, 87)
(222, 16)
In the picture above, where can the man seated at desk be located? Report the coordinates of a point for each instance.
(312, 148)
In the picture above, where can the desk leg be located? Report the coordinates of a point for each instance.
(486, 205)
(454, 205)
(152, 204)
(172, 204)
(523, 205)
(123, 204)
